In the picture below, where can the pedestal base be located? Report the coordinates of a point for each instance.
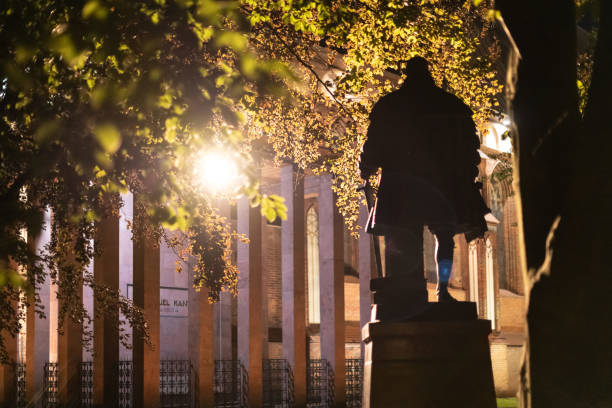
(428, 364)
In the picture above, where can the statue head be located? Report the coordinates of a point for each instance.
(416, 69)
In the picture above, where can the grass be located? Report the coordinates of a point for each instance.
(507, 403)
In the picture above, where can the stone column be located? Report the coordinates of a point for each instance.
(70, 337)
(250, 291)
(223, 327)
(331, 254)
(69, 357)
(37, 335)
(106, 330)
(293, 280)
(223, 308)
(206, 358)
(201, 343)
(366, 263)
(146, 296)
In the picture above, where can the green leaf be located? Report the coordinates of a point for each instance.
(94, 9)
(268, 212)
(249, 65)
(171, 127)
(46, 130)
(231, 39)
(165, 101)
(64, 46)
(108, 137)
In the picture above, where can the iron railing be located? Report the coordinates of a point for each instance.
(87, 384)
(353, 382)
(125, 384)
(277, 384)
(231, 384)
(320, 389)
(175, 383)
(20, 379)
(50, 386)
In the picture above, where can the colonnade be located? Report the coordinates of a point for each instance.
(209, 326)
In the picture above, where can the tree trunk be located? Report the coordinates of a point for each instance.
(563, 186)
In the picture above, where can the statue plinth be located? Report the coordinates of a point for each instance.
(429, 361)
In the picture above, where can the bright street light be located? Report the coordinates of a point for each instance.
(217, 171)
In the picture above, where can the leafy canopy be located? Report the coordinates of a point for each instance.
(102, 97)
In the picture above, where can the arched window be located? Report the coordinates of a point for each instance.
(473, 272)
(312, 253)
(490, 283)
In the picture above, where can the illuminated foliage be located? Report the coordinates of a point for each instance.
(101, 97)
(104, 97)
(345, 53)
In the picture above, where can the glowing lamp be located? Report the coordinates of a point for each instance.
(217, 171)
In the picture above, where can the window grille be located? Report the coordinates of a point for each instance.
(277, 384)
(231, 384)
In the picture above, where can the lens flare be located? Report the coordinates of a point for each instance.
(217, 172)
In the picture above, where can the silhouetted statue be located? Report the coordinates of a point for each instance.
(425, 141)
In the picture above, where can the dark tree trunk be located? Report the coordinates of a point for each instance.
(564, 186)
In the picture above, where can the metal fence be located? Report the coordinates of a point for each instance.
(277, 384)
(231, 384)
(50, 384)
(20, 377)
(87, 384)
(175, 384)
(320, 390)
(125, 384)
(353, 382)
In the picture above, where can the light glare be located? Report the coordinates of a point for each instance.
(217, 171)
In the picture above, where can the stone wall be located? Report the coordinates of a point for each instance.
(512, 311)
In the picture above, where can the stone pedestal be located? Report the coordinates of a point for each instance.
(429, 363)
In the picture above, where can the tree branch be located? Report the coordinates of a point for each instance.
(307, 65)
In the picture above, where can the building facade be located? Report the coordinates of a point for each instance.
(292, 336)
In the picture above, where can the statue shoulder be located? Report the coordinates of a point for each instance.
(386, 105)
(456, 105)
